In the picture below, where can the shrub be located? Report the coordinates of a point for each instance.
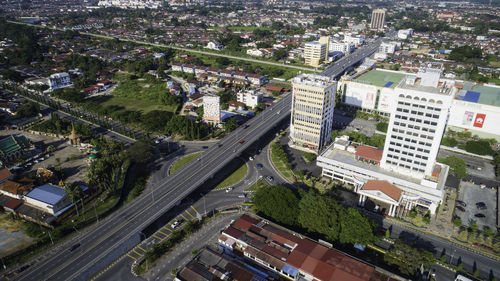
(382, 126)
(481, 147)
(449, 141)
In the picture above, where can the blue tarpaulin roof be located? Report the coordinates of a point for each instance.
(47, 193)
(470, 96)
(388, 84)
(290, 270)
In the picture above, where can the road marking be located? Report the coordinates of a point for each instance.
(166, 228)
(131, 257)
(154, 235)
(194, 209)
(189, 214)
(162, 232)
(133, 250)
(7, 278)
(122, 224)
(184, 217)
(138, 246)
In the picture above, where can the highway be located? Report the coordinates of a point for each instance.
(341, 65)
(121, 228)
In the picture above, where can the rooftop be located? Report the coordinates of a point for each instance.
(483, 94)
(370, 153)
(47, 193)
(381, 78)
(314, 80)
(384, 186)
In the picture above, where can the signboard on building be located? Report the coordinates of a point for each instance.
(467, 120)
(479, 120)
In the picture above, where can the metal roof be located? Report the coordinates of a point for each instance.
(47, 193)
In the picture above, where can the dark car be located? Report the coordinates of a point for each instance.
(259, 166)
(461, 203)
(460, 208)
(481, 205)
(479, 215)
(72, 248)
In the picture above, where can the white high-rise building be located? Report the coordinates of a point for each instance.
(378, 19)
(417, 125)
(315, 53)
(313, 103)
(211, 108)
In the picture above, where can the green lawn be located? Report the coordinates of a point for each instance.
(281, 166)
(234, 178)
(259, 184)
(139, 94)
(183, 161)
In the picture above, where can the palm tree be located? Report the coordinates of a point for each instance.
(75, 193)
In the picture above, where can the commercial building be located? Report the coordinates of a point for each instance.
(210, 264)
(315, 53)
(474, 107)
(313, 104)
(211, 108)
(388, 47)
(59, 81)
(345, 48)
(378, 19)
(291, 255)
(49, 198)
(406, 171)
(249, 98)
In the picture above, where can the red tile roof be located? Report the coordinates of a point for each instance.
(233, 232)
(13, 204)
(4, 174)
(384, 186)
(244, 222)
(368, 152)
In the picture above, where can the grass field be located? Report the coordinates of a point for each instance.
(138, 94)
(259, 184)
(234, 178)
(183, 161)
(142, 105)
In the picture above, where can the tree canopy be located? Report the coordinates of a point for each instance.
(277, 202)
(407, 258)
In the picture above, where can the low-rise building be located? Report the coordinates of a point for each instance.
(255, 79)
(49, 198)
(291, 255)
(214, 45)
(59, 81)
(250, 98)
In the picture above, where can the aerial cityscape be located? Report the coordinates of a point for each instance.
(249, 140)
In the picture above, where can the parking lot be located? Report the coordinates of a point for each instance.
(471, 194)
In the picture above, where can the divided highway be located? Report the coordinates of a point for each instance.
(116, 232)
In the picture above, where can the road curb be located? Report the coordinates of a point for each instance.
(272, 165)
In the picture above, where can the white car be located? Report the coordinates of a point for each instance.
(251, 158)
(175, 224)
(229, 189)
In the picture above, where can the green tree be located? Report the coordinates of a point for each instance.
(382, 126)
(230, 125)
(141, 152)
(277, 202)
(457, 165)
(449, 141)
(457, 221)
(407, 258)
(279, 54)
(319, 214)
(481, 147)
(355, 228)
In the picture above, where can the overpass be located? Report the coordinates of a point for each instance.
(119, 231)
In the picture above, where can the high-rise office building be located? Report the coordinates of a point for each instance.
(313, 103)
(315, 53)
(378, 19)
(417, 125)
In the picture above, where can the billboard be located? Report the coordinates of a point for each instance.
(467, 119)
(479, 120)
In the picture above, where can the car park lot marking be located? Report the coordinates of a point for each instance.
(184, 217)
(131, 257)
(138, 246)
(194, 209)
(189, 214)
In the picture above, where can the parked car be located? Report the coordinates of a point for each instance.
(479, 215)
(175, 224)
(259, 166)
(460, 208)
(461, 203)
(243, 195)
(481, 206)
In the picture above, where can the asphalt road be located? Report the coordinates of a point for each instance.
(126, 224)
